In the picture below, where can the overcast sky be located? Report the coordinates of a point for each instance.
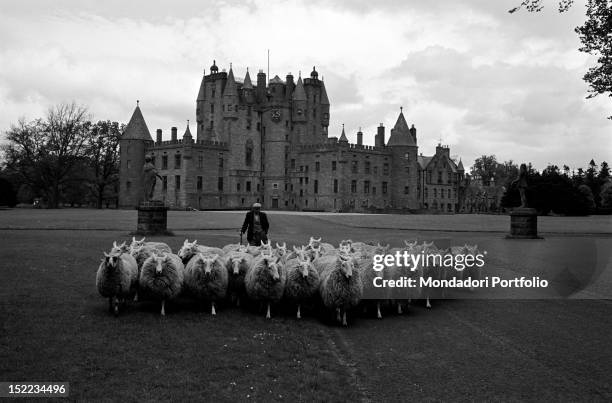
(467, 72)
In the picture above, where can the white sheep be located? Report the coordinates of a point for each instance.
(302, 282)
(265, 280)
(117, 278)
(161, 278)
(323, 246)
(238, 264)
(189, 249)
(340, 287)
(159, 246)
(232, 247)
(206, 278)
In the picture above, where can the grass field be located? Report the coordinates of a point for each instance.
(55, 327)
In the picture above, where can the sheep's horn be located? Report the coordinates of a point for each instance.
(115, 244)
(122, 245)
(106, 254)
(142, 240)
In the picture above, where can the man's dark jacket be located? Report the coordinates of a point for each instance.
(248, 223)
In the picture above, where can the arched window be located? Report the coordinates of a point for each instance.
(248, 159)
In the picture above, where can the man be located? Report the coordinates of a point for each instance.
(256, 226)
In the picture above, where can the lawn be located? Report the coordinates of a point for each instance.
(56, 327)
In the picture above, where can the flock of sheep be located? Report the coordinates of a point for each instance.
(336, 277)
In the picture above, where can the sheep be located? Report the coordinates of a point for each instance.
(365, 266)
(232, 247)
(160, 246)
(302, 282)
(123, 248)
(265, 280)
(340, 284)
(281, 252)
(316, 243)
(429, 271)
(206, 278)
(117, 278)
(189, 249)
(237, 264)
(161, 277)
(397, 272)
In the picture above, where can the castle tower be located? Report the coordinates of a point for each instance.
(324, 109)
(230, 97)
(299, 112)
(200, 105)
(247, 89)
(404, 176)
(132, 144)
(262, 90)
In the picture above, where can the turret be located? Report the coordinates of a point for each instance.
(247, 89)
(132, 145)
(400, 134)
(404, 175)
(230, 97)
(343, 140)
(187, 137)
(299, 102)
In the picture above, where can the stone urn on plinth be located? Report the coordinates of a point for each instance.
(523, 219)
(152, 214)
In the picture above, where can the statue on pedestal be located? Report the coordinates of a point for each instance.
(149, 177)
(522, 184)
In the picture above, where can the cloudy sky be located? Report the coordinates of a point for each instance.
(466, 72)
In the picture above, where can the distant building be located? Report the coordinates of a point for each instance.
(269, 142)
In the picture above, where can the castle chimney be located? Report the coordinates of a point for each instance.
(380, 136)
(173, 131)
(159, 136)
(261, 86)
(360, 137)
(290, 85)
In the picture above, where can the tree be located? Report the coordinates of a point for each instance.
(606, 195)
(485, 167)
(43, 153)
(604, 172)
(595, 38)
(103, 159)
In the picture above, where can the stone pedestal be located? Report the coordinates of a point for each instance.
(523, 224)
(152, 218)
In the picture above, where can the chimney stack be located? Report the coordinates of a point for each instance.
(159, 136)
(380, 136)
(173, 131)
(360, 137)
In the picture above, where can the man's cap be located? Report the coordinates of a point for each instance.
(257, 205)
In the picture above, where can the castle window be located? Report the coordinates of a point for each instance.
(439, 176)
(306, 169)
(384, 188)
(248, 156)
(248, 125)
(406, 190)
(292, 164)
(301, 168)
(212, 108)
(177, 161)
(199, 183)
(164, 183)
(235, 108)
(212, 124)
(373, 190)
(221, 161)
(258, 187)
(333, 165)
(354, 166)
(316, 186)
(407, 157)
(306, 180)
(335, 185)
(449, 194)
(306, 202)
(248, 186)
(213, 92)
(286, 123)
(200, 161)
(366, 186)
(301, 192)
(220, 184)
(435, 192)
(275, 186)
(258, 126)
(353, 186)
(317, 166)
(386, 168)
(177, 182)
(426, 192)
(407, 169)
(238, 187)
(376, 170)
(367, 167)
(128, 185)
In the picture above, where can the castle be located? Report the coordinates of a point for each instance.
(269, 143)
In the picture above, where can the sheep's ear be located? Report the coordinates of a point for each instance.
(106, 254)
(115, 244)
(142, 240)
(195, 242)
(284, 245)
(295, 249)
(122, 245)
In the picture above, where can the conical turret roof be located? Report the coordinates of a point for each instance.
(400, 134)
(299, 94)
(460, 166)
(230, 86)
(343, 136)
(187, 134)
(247, 85)
(324, 99)
(137, 128)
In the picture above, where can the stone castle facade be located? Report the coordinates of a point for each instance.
(268, 142)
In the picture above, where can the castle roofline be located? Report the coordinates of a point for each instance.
(136, 128)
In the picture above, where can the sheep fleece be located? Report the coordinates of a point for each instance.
(212, 286)
(261, 286)
(166, 285)
(120, 280)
